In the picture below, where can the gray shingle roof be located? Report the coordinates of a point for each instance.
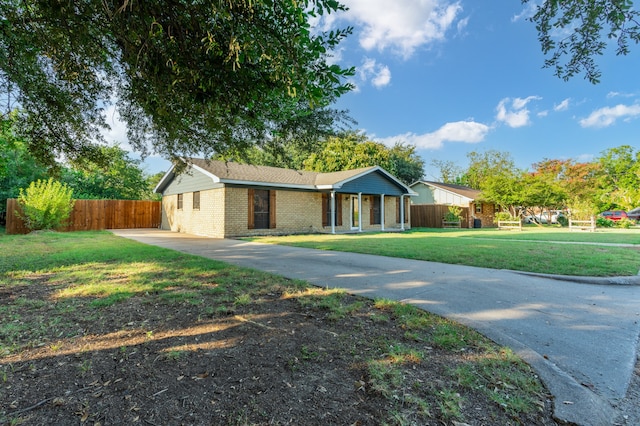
(250, 173)
(335, 177)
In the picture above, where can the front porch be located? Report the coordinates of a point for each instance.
(345, 212)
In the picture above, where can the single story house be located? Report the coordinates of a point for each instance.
(226, 199)
(455, 195)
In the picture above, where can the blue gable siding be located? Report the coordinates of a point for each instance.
(189, 182)
(372, 183)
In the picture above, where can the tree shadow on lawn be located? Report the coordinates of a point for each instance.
(269, 360)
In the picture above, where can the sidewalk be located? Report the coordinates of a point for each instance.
(581, 339)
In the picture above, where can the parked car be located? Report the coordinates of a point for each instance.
(634, 214)
(544, 217)
(614, 215)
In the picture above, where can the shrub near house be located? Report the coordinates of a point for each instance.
(45, 204)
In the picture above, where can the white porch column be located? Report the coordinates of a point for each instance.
(333, 212)
(359, 211)
(402, 212)
(382, 212)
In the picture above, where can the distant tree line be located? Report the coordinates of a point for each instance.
(120, 177)
(611, 181)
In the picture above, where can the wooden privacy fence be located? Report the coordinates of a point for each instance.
(93, 215)
(431, 215)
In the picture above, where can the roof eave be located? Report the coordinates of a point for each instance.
(267, 184)
(164, 180)
(435, 185)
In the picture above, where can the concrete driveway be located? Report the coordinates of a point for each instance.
(581, 338)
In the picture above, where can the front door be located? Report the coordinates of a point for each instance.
(261, 209)
(355, 212)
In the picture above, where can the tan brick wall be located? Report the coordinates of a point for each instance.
(208, 220)
(224, 213)
(390, 213)
(296, 212)
(486, 217)
(168, 212)
(236, 211)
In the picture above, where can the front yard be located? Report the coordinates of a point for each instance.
(546, 250)
(96, 329)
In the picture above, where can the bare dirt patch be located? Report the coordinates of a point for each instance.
(272, 360)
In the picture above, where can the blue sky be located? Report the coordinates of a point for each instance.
(454, 77)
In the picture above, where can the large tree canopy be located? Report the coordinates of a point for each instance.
(17, 167)
(121, 178)
(572, 33)
(351, 150)
(190, 78)
(483, 165)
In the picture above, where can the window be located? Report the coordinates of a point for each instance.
(196, 200)
(180, 201)
(478, 207)
(262, 209)
(374, 213)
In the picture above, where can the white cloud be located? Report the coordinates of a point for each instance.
(335, 57)
(462, 24)
(607, 116)
(402, 25)
(459, 131)
(620, 94)
(382, 78)
(527, 12)
(378, 74)
(514, 112)
(562, 106)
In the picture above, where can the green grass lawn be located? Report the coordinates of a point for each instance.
(532, 250)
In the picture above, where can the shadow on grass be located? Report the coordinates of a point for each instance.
(102, 329)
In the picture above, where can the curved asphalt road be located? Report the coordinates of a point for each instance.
(581, 338)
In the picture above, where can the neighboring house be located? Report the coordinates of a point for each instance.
(455, 195)
(225, 199)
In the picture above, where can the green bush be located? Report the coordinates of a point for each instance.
(625, 223)
(503, 216)
(582, 209)
(45, 204)
(454, 214)
(603, 222)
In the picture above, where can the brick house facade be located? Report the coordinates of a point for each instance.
(221, 199)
